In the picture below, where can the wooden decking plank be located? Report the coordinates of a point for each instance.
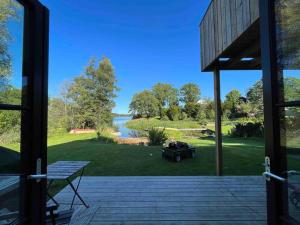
(179, 223)
(172, 200)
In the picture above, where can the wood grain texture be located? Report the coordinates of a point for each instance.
(224, 22)
(190, 200)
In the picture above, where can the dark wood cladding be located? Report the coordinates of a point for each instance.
(224, 22)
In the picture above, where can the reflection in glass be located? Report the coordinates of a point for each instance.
(11, 50)
(290, 136)
(288, 48)
(10, 123)
(9, 198)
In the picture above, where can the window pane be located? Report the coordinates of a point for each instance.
(10, 133)
(288, 48)
(9, 165)
(290, 131)
(11, 50)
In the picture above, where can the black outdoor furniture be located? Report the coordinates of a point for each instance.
(64, 170)
(176, 151)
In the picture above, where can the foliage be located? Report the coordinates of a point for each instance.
(58, 121)
(182, 115)
(249, 129)
(190, 93)
(10, 94)
(157, 137)
(291, 88)
(144, 104)
(10, 136)
(192, 109)
(91, 95)
(173, 113)
(231, 103)
(287, 19)
(145, 124)
(8, 10)
(166, 96)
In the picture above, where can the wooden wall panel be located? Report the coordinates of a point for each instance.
(223, 23)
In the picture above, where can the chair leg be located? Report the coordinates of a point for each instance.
(76, 191)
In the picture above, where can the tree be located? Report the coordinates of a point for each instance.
(173, 112)
(209, 108)
(291, 89)
(166, 96)
(58, 120)
(232, 101)
(288, 33)
(144, 104)
(8, 10)
(255, 105)
(92, 95)
(189, 93)
(192, 109)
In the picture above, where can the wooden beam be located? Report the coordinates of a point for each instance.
(218, 121)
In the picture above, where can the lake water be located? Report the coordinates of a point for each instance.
(120, 123)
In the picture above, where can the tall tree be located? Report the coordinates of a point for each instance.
(166, 96)
(144, 104)
(92, 95)
(8, 10)
(232, 102)
(255, 100)
(190, 93)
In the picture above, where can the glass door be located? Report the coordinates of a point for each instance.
(280, 51)
(23, 111)
(287, 27)
(11, 57)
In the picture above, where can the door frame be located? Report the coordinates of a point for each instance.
(34, 106)
(273, 107)
(34, 118)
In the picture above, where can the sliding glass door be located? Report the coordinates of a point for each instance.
(23, 111)
(280, 47)
(287, 27)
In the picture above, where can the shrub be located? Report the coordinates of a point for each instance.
(11, 136)
(182, 116)
(249, 129)
(173, 112)
(157, 137)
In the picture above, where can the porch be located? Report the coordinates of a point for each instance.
(188, 200)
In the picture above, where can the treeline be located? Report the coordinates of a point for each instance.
(84, 102)
(169, 103)
(166, 102)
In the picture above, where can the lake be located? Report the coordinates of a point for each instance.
(120, 123)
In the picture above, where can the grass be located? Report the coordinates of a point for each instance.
(241, 156)
(144, 124)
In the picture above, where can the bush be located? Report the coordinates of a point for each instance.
(182, 116)
(173, 113)
(249, 129)
(11, 136)
(157, 137)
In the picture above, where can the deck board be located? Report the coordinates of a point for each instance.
(190, 200)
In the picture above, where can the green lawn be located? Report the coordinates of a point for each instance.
(241, 156)
(143, 124)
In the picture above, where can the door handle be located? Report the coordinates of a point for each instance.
(268, 175)
(38, 176)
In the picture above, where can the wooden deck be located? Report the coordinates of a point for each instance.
(187, 200)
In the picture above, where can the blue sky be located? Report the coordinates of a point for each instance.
(147, 41)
